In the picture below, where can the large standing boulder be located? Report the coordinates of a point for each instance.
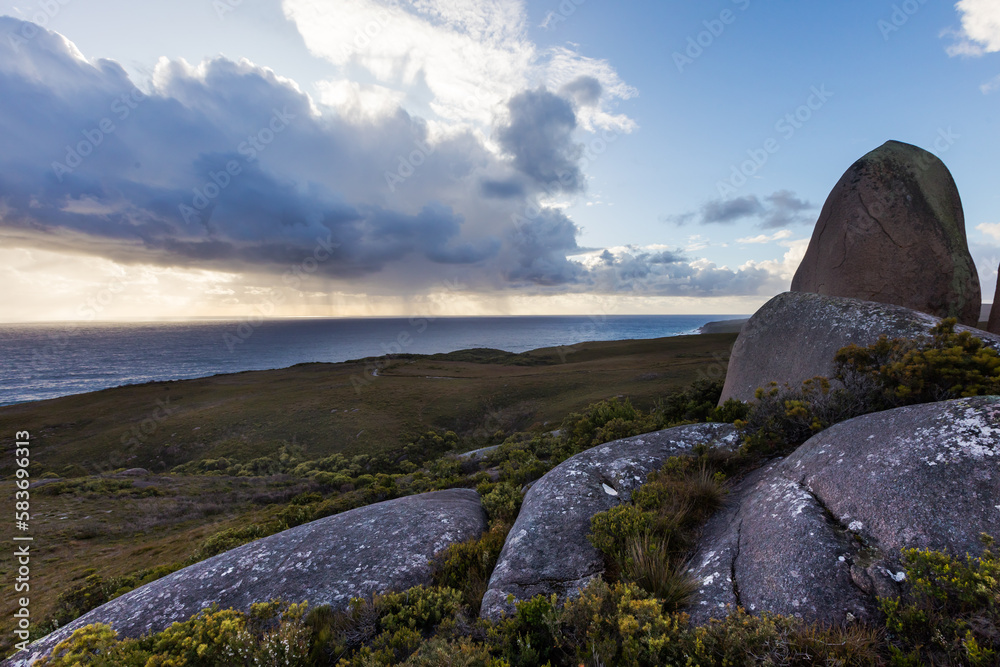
(547, 550)
(819, 534)
(993, 323)
(795, 336)
(382, 547)
(893, 231)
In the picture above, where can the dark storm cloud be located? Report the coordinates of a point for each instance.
(540, 253)
(782, 209)
(225, 166)
(731, 210)
(502, 189)
(786, 209)
(228, 167)
(539, 136)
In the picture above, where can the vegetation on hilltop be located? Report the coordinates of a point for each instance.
(631, 616)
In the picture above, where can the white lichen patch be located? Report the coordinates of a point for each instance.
(965, 434)
(788, 493)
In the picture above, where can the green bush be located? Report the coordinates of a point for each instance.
(608, 419)
(620, 624)
(892, 373)
(881, 376)
(77, 601)
(951, 611)
(649, 563)
(782, 418)
(90, 487)
(270, 634)
(695, 403)
(231, 538)
(307, 498)
(502, 502)
(462, 652)
(467, 566)
(610, 530)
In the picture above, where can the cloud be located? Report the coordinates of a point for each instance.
(785, 209)
(731, 210)
(782, 271)
(642, 273)
(539, 136)
(765, 238)
(782, 208)
(541, 250)
(991, 86)
(227, 166)
(585, 91)
(991, 229)
(980, 33)
(459, 61)
(226, 177)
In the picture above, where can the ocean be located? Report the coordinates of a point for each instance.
(41, 361)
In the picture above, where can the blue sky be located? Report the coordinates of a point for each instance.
(566, 157)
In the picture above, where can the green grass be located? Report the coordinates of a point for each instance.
(317, 406)
(120, 526)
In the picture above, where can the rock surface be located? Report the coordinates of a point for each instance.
(819, 534)
(893, 231)
(377, 548)
(796, 335)
(993, 323)
(547, 550)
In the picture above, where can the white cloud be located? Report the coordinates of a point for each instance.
(980, 32)
(359, 101)
(785, 268)
(991, 86)
(765, 238)
(991, 229)
(461, 60)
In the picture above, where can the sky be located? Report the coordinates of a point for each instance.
(344, 158)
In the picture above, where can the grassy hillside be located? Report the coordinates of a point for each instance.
(118, 526)
(330, 408)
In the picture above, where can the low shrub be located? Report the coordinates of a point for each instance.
(270, 634)
(645, 542)
(467, 566)
(502, 501)
(951, 611)
(605, 421)
(892, 373)
(231, 538)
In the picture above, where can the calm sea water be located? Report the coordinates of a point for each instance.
(46, 361)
